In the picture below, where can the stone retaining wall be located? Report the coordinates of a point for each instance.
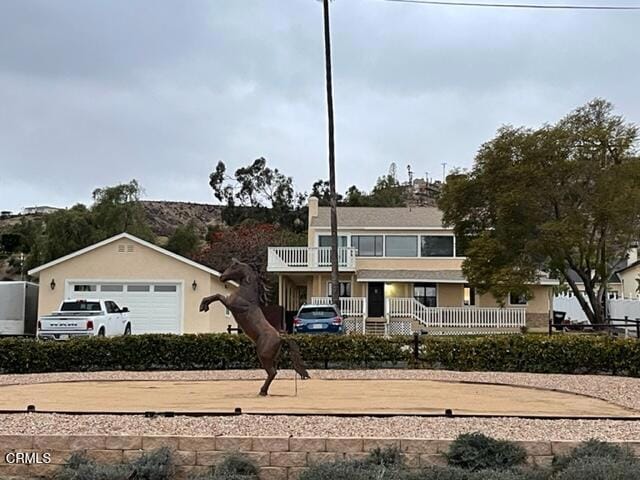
(280, 458)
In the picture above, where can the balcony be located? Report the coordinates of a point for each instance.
(308, 259)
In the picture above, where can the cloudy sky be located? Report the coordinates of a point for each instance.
(97, 92)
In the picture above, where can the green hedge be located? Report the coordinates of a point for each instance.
(190, 352)
(514, 353)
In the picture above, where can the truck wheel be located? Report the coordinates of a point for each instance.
(127, 330)
(101, 332)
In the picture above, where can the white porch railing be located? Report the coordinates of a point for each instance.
(282, 259)
(461, 319)
(353, 310)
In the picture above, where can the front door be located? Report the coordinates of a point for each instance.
(376, 299)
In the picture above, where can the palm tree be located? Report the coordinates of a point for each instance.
(335, 285)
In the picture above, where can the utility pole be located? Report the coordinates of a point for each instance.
(335, 285)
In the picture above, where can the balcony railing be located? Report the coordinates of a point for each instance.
(282, 259)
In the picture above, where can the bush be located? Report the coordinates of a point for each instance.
(453, 473)
(512, 353)
(475, 451)
(381, 465)
(594, 449)
(600, 469)
(234, 467)
(156, 465)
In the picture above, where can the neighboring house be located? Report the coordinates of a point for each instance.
(614, 287)
(630, 275)
(399, 271)
(39, 209)
(161, 289)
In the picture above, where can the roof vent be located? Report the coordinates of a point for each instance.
(121, 248)
(129, 248)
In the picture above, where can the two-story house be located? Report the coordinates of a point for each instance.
(400, 271)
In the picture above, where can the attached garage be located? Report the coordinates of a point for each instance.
(162, 290)
(153, 307)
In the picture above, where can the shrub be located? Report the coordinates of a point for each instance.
(512, 353)
(233, 467)
(156, 465)
(594, 449)
(600, 469)
(384, 464)
(475, 451)
(454, 473)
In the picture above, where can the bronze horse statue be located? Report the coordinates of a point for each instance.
(244, 304)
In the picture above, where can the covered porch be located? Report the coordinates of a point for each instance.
(396, 306)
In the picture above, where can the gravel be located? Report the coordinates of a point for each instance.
(619, 390)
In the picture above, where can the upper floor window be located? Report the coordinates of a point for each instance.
(325, 241)
(368, 245)
(437, 246)
(401, 246)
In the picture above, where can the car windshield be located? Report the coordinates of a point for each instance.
(80, 306)
(317, 312)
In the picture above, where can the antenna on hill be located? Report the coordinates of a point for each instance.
(444, 170)
(410, 189)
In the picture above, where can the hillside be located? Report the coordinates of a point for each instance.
(164, 217)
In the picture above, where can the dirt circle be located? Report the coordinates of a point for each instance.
(313, 396)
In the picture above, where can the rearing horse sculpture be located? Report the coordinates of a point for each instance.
(244, 304)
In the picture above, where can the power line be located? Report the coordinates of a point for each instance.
(517, 5)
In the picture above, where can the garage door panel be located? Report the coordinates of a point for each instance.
(153, 308)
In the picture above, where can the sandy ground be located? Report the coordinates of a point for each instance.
(313, 396)
(616, 391)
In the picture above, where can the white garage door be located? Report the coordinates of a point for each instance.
(153, 307)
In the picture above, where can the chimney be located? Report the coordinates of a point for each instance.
(632, 255)
(313, 208)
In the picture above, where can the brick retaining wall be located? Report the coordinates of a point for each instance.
(279, 458)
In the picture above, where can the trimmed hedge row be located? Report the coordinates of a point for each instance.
(516, 353)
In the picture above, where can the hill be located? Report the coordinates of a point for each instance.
(164, 217)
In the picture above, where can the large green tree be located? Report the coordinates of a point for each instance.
(560, 198)
(117, 209)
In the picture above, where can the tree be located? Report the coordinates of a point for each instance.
(66, 231)
(561, 198)
(257, 191)
(388, 192)
(185, 240)
(117, 209)
(248, 242)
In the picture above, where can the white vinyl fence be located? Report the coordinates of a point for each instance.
(618, 308)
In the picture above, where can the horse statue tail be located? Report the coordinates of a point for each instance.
(296, 358)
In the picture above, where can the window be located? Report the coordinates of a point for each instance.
(517, 299)
(437, 246)
(469, 296)
(401, 246)
(111, 307)
(84, 288)
(80, 306)
(368, 245)
(164, 288)
(345, 289)
(325, 241)
(138, 288)
(111, 288)
(426, 294)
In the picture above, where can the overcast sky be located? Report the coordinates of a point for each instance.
(98, 92)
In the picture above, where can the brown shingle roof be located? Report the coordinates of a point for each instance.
(420, 217)
(454, 276)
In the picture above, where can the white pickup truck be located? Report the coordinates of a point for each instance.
(82, 318)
